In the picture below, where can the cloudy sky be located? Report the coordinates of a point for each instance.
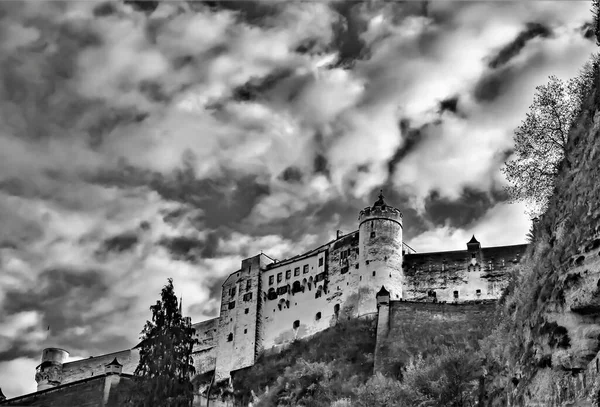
(152, 140)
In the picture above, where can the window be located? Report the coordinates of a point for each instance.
(320, 262)
(282, 290)
(232, 291)
(272, 295)
(336, 309)
(374, 273)
(232, 305)
(288, 274)
(305, 270)
(297, 287)
(279, 277)
(230, 337)
(319, 277)
(287, 304)
(296, 271)
(271, 278)
(296, 324)
(455, 294)
(372, 235)
(344, 270)
(318, 316)
(247, 310)
(248, 285)
(245, 331)
(247, 296)
(318, 293)
(478, 292)
(472, 255)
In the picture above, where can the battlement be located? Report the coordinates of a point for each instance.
(378, 212)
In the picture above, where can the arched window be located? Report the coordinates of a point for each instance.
(319, 291)
(230, 337)
(272, 295)
(296, 324)
(318, 316)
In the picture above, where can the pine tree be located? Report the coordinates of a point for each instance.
(164, 373)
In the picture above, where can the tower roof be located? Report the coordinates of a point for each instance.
(383, 292)
(115, 362)
(473, 240)
(380, 201)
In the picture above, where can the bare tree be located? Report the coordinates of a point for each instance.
(541, 140)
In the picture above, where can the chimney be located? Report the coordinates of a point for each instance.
(338, 234)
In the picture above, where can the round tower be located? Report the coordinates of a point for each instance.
(49, 373)
(380, 254)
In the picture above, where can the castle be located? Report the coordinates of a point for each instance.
(368, 273)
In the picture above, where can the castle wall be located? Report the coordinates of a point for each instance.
(94, 366)
(457, 276)
(300, 302)
(237, 324)
(420, 327)
(343, 275)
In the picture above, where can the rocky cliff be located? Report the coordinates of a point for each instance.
(545, 350)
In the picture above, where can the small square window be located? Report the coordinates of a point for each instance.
(247, 310)
(279, 277)
(232, 305)
(374, 273)
(245, 331)
(455, 294)
(271, 280)
(320, 262)
(478, 292)
(318, 316)
(305, 270)
(296, 324)
(372, 235)
(296, 271)
(288, 274)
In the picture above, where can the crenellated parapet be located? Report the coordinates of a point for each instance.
(380, 212)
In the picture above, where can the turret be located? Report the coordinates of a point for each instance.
(113, 367)
(49, 373)
(380, 254)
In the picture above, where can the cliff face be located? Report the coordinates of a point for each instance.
(545, 351)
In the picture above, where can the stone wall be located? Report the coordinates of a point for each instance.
(418, 327)
(464, 275)
(94, 365)
(99, 391)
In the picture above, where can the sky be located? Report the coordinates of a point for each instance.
(146, 140)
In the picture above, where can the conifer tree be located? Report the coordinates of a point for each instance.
(163, 375)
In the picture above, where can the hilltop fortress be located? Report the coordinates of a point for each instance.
(368, 273)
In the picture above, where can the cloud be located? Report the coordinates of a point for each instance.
(17, 376)
(503, 224)
(146, 140)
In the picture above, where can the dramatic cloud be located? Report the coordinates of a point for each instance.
(142, 140)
